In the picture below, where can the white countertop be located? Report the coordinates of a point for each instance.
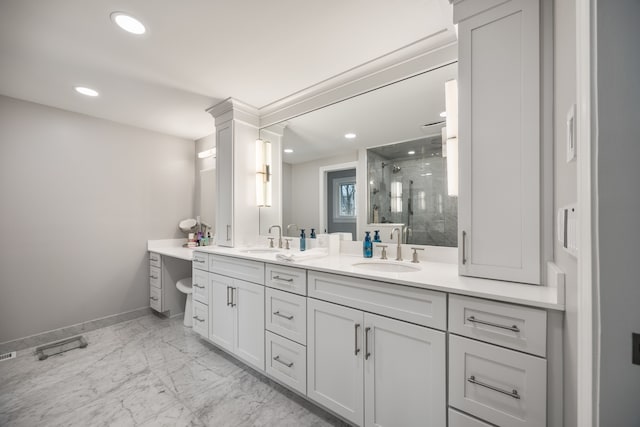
(171, 247)
(432, 275)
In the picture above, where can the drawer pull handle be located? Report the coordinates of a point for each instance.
(277, 359)
(154, 298)
(514, 393)
(198, 319)
(154, 259)
(513, 328)
(198, 260)
(282, 279)
(198, 286)
(284, 316)
(154, 277)
(357, 350)
(367, 354)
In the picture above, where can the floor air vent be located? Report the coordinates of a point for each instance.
(60, 347)
(7, 356)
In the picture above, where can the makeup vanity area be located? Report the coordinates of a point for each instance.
(470, 338)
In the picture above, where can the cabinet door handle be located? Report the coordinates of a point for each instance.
(513, 328)
(233, 298)
(154, 298)
(277, 359)
(198, 286)
(284, 316)
(464, 247)
(228, 228)
(513, 393)
(228, 299)
(366, 343)
(357, 350)
(282, 278)
(198, 319)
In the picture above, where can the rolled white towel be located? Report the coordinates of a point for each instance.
(302, 256)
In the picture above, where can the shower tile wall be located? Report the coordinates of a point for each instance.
(435, 214)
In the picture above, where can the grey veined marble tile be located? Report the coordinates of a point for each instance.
(148, 371)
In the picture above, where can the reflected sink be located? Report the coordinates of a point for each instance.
(259, 250)
(386, 266)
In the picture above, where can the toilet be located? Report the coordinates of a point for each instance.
(185, 286)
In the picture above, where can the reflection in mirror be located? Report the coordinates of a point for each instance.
(408, 186)
(386, 124)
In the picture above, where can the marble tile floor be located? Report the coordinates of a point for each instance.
(150, 371)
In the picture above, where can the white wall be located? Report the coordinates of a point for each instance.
(565, 186)
(79, 198)
(305, 211)
(618, 207)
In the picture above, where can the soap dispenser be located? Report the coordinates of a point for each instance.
(303, 240)
(376, 236)
(313, 233)
(367, 246)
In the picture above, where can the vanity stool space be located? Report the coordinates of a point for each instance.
(164, 273)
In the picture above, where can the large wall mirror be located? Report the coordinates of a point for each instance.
(371, 162)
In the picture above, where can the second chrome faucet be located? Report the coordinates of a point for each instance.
(279, 234)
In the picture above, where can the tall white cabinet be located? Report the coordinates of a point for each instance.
(237, 214)
(500, 137)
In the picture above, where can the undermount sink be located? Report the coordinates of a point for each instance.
(386, 266)
(259, 250)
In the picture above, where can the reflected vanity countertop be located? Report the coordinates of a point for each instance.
(171, 247)
(437, 276)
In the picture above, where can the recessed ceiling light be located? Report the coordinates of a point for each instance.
(350, 135)
(128, 23)
(443, 114)
(411, 153)
(86, 91)
(288, 150)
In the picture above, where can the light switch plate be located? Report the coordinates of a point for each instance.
(571, 133)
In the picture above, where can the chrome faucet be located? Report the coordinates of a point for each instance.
(279, 234)
(289, 227)
(399, 250)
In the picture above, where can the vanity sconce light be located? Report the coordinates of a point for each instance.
(263, 174)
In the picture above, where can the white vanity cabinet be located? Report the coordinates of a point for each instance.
(236, 310)
(370, 369)
(500, 139)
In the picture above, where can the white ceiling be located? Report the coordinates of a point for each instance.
(195, 53)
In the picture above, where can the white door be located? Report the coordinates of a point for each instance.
(335, 358)
(224, 184)
(248, 302)
(221, 322)
(405, 374)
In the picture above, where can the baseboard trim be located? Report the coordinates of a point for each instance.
(69, 331)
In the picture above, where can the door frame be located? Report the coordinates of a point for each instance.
(322, 191)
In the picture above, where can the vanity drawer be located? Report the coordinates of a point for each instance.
(287, 361)
(200, 286)
(507, 325)
(155, 298)
(155, 276)
(287, 278)
(200, 319)
(200, 261)
(154, 259)
(243, 269)
(287, 315)
(458, 419)
(415, 305)
(503, 387)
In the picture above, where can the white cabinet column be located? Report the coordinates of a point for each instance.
(237, 214)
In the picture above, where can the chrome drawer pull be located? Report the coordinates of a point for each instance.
(357, 350)
(154, 277)
(282, 278)
(154, 298)
(154, 259)
(198, 319)
(513, 328)
(284, 316)
(198, 260)
(228, 299)
(198, 286)
(514, 393)
(277, 359)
